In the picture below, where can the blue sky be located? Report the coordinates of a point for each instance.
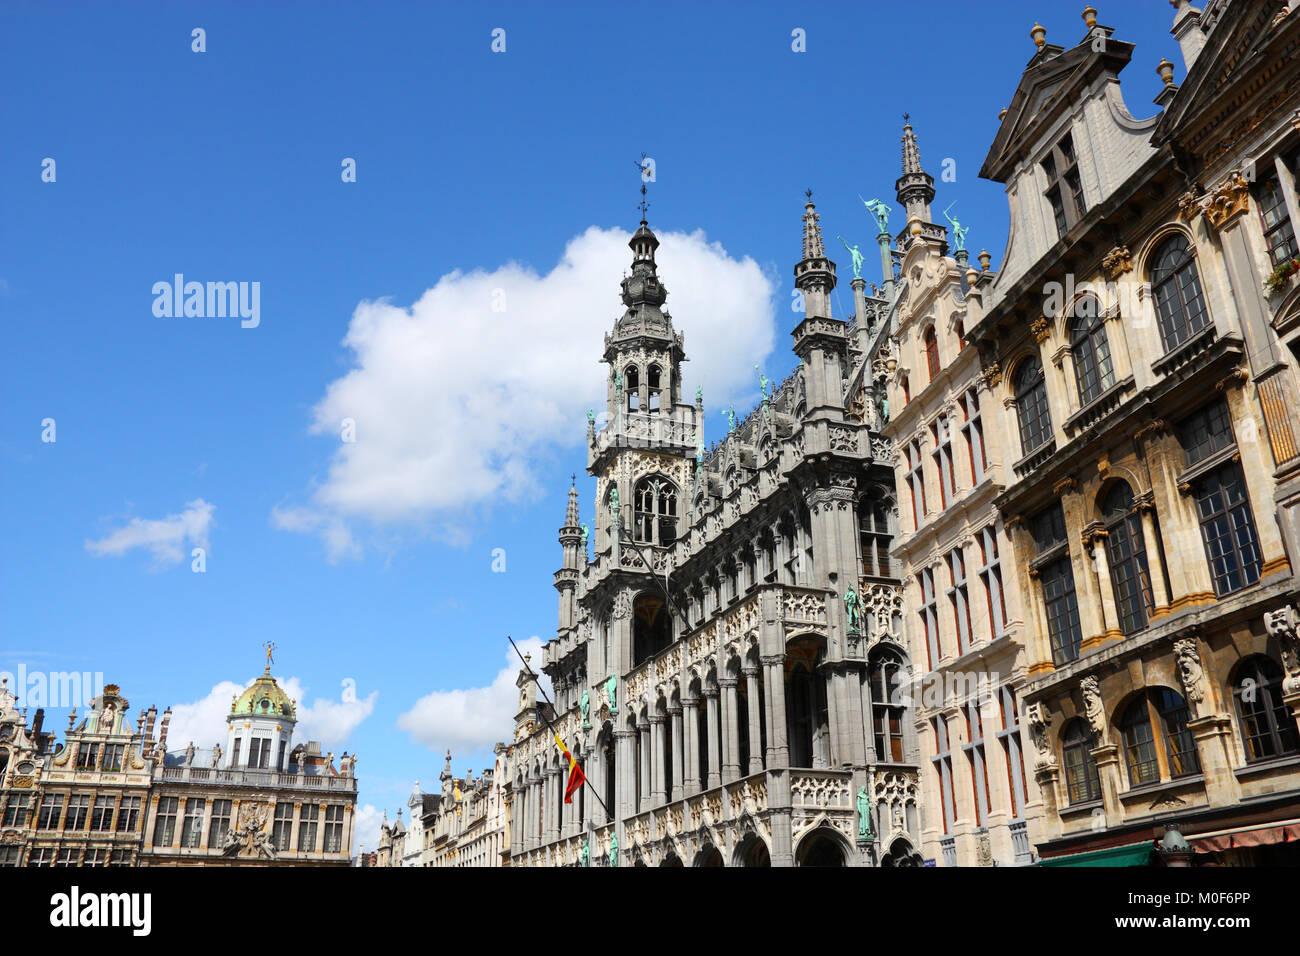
(476, 172)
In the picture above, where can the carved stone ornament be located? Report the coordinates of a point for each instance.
(623, 605)
(1229, 198)
(1284, 625)
(1190, 672)
(1093, 708)
(1117, 262)
(992, 375)
(1040, 723)
(1041, 329)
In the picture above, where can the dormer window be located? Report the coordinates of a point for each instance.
(1064, 189)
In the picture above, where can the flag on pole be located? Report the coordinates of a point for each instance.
(576, 776)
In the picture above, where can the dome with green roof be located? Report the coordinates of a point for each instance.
(264, 698)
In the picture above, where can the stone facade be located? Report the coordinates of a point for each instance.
(112, 794)
(724, 660)
(1151, 470)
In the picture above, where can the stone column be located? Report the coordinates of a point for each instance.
(658, 790)
(675, 711)
(731, 724)
(516, 831)
(715, 756)
(1151, 543)
(643, 747)
(625, 782)
(778, 750)
(552, 830)
(755, 726)
(1105, 591)
(691, 733)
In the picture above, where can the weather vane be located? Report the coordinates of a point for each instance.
(642, 167)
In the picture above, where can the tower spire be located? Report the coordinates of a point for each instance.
(915, 190)
(571, 513)
(814, 275)
(812, 230)
(911, 152)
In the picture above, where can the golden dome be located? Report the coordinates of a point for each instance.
(264, 697)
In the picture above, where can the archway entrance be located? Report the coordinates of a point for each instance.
(821, 848)
(901, 853)
(709, 856)
(753, 852)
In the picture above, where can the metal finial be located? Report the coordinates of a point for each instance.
(641, 168)
(906, 117)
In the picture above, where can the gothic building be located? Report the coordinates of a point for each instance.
(727, 657)
(1139, 348)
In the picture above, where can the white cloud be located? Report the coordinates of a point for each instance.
(365, 829)
(167, 539)
(464, 721)
(331, 722)
(453, 402)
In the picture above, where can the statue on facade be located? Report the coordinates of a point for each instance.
(864, 815)
(585, 706)
(699, 394)
(613, 849)
(856, 255)
(585, 531)
(584, 853)
(591, 418)
(189, 754)
(611, 691)
(958, 230)
(882, 403)
(216, 756)
(614, 508)
(852, 604)
(731, 418)
(763, 382)
(880, 210)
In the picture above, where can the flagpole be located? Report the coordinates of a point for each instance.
(551, 727)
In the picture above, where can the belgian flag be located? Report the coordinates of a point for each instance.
(576, 777)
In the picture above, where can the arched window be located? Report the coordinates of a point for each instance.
(1130, 573)
(655, 503)
(632, 388)
(1081, 781)
(886, 677)
(907, 391)
(932, 352)
(1158, 712)
(1031, 405)
(1267, 728)
(1093, 370)
(1176, 286)
(652, 631)
(805, 704)
(653, 381)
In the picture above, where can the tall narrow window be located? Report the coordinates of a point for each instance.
(929, 618)
(942, 432)
(78, 810)
(874, 538)
(916, 483)
(959, 599)
(334, 828)
(1064, 188)
(308, 819)
(220, 824)
(973, 431)
(51, 812)
(1176, 287)
(1081, 781)
(886, 709)
(976, 758)
(632, 388)
(932, 353)
(1158, 713)
(1278, 232)
(192, 825)
(991, 577)
(101, 817)
(1056, 576)
(1093, 369)
(128, 815)
(164, 828)
(942, 763)
(282, 826)
(113, 754)
(1031, 405)
(653, 377)
(1010, 738)
(1130, 574)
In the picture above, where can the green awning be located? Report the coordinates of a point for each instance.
(1131, 854)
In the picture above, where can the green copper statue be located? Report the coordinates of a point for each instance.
(958, 230)
(857, 257)
(614, 508)
(731, 419)
(618, 389)
(585, 532)
(591, 417)
(880, 210)
(585, 706)
(882, 403)
(864, 816)
(852, 606)
(613, 849)
(611, 691)
(763, 382)
(584, 854)
(699, 394)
